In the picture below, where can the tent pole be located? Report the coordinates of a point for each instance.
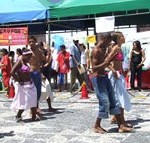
(9, 48)
(94, 30)
(49, 35)
(87, 34)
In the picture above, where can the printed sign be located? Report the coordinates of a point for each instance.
(13, 36)
(91, 39)
(105, 24)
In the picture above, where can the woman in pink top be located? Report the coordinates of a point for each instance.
(25, 90)
(116, 76)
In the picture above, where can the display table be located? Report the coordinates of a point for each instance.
(145, 80)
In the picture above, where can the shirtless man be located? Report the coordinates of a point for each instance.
(103, 87)
(36, 62)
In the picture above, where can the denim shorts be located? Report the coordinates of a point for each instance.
(36, 77)
(106, 96)
(61, 78)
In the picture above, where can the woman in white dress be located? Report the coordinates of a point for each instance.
(25, 90)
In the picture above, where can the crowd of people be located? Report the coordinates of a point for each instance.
(103, 64)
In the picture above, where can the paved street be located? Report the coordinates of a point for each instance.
(73, 122)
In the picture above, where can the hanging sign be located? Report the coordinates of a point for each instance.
(13, 36)
(91, 39)
(105, 24)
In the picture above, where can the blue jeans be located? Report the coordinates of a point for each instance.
(36, 77)
(61, 78)
(106, 96)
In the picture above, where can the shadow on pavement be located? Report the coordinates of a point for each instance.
(42, 118)
(113, 130)
(133, 122)
(45, 115)
(57, 109)
(46, 112)
(137, 121)
(11, 133)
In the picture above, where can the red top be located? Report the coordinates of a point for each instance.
(119, 56)
(63, 62)
(6, 69)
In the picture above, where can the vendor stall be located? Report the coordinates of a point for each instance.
(145, 80)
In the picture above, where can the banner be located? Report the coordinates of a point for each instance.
(105, 24)
(91, 39)
(13, 36)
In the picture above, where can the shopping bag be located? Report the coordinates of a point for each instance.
(11, 90)
(46, 90)
(81, 69)
(55, 65)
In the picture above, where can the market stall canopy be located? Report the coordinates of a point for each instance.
(69, 8)
(23, 10)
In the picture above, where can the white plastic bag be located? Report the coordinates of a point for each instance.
(46, 90)
(81, 69)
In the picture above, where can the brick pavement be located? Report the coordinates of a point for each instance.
(73, 122)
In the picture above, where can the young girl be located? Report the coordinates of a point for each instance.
(25, 90)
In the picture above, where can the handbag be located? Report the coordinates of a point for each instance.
(80, 67)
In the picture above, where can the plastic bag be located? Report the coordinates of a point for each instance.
(46, 90)
(81, 69)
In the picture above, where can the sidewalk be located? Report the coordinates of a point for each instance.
(74, 121)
